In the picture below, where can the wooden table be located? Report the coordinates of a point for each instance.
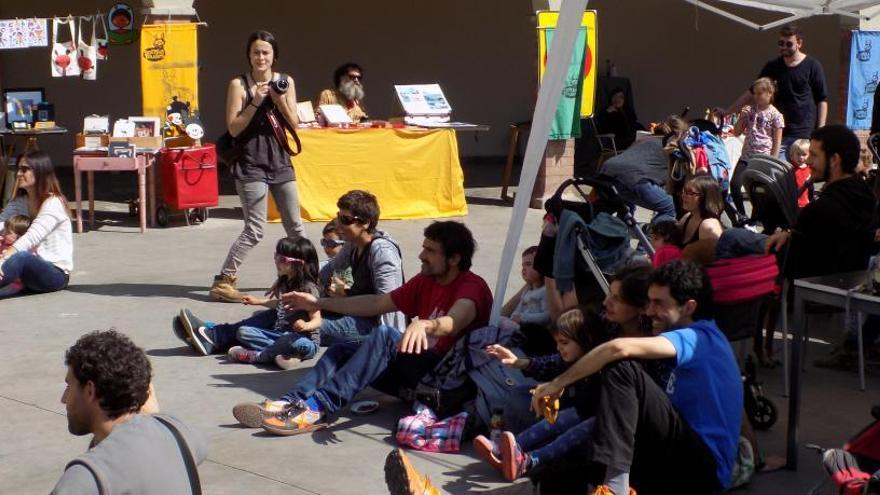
(91, 163)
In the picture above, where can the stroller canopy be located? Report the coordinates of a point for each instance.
(775, 176)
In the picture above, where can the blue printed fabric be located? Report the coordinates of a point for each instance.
(864, 74)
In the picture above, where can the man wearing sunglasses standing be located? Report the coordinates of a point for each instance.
(801, 95)
(347, 91)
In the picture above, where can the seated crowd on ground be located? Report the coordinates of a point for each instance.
(633, 384)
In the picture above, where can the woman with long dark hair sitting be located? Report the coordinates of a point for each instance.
(42, 258)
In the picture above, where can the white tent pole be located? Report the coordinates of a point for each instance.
(780, 22)
(723, 13)
(558, 60)
(769, 6)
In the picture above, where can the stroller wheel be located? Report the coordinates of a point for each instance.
(764, 414)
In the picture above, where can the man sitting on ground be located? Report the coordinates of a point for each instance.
(347, 91)
(445, 301)
(107, 395)
(682, 438)
(834, 233)
(376, 268)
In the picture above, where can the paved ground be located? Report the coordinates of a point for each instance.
(137, 283)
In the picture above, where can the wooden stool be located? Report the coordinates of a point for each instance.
(512, 148)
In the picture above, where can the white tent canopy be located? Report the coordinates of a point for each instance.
(792, 10)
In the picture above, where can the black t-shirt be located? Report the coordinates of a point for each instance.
(798, 90)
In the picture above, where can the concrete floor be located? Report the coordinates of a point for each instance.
(138, 282)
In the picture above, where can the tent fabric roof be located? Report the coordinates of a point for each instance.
(792, 9)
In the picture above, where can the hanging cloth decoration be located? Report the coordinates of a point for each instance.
(63, 52)
(87, 53)
(103, 44)
(120, 18)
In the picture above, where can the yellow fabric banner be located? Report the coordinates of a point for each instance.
(169, 68)
(413, 173)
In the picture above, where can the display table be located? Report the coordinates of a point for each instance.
(414, 173)
(93, 162)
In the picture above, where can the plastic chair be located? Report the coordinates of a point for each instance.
(607, 144)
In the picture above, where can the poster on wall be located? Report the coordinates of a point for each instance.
(120, 20)
(23, 33)
(169, 70)
(864, 75)
(586, 51)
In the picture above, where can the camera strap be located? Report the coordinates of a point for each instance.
(279, 125)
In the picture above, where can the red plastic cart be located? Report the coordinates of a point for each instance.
(189, 182)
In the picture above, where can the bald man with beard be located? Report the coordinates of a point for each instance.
(348, 92)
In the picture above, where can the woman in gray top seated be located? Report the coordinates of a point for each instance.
(262, 164)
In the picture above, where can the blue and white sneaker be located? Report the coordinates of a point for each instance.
(196, 330)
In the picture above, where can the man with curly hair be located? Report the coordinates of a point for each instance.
(108, 395)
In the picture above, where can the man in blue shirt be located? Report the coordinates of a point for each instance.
(681, 434)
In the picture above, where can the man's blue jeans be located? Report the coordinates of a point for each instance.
(339, 329)
(347, 369)
(784, 146)
(650, 196)
(35, 273)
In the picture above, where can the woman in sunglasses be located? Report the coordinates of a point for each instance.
(700, 227)
(42, 258)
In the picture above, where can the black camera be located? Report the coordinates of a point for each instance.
(280, 86)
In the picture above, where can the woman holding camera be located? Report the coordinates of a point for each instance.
(261, 163)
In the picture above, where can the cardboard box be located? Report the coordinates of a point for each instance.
(150, 142)
(92, 140)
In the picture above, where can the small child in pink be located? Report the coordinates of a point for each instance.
(14, 228)
(797, 156)
(665, 237)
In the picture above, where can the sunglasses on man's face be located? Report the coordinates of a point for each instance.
(355, 77)
(331, 243)
(348, 219)
(785, 44)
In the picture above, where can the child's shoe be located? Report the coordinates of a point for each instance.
(287, 362)
(488, 451)
(238, 354)
(196, 329)
(514, 462)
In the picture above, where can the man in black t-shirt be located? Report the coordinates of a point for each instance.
(801, 94)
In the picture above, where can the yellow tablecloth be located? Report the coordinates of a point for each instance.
(413, 173)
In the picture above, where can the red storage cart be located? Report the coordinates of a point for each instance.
(189, 182)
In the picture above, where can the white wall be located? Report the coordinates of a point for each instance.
(482, 52)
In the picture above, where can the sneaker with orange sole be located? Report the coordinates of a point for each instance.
(252, 414)
(402, 478)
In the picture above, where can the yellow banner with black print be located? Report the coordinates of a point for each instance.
(169, 69)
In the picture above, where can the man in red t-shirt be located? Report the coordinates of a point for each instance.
(444, 302)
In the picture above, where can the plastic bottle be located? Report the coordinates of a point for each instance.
(496, 425)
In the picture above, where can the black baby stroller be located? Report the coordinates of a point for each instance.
(849, 468)
(599, 224)
(773, 192)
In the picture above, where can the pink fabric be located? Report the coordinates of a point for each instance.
(743, 279)
(422, 431)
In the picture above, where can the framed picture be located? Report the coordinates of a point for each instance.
(146, 126)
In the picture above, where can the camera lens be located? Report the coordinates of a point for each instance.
(280, 86)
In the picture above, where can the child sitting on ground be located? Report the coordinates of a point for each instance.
(338, 281)
(273, 334)
(15, 227)
(527, 310)
(666, 239)
(544, 442)
(797, 156)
